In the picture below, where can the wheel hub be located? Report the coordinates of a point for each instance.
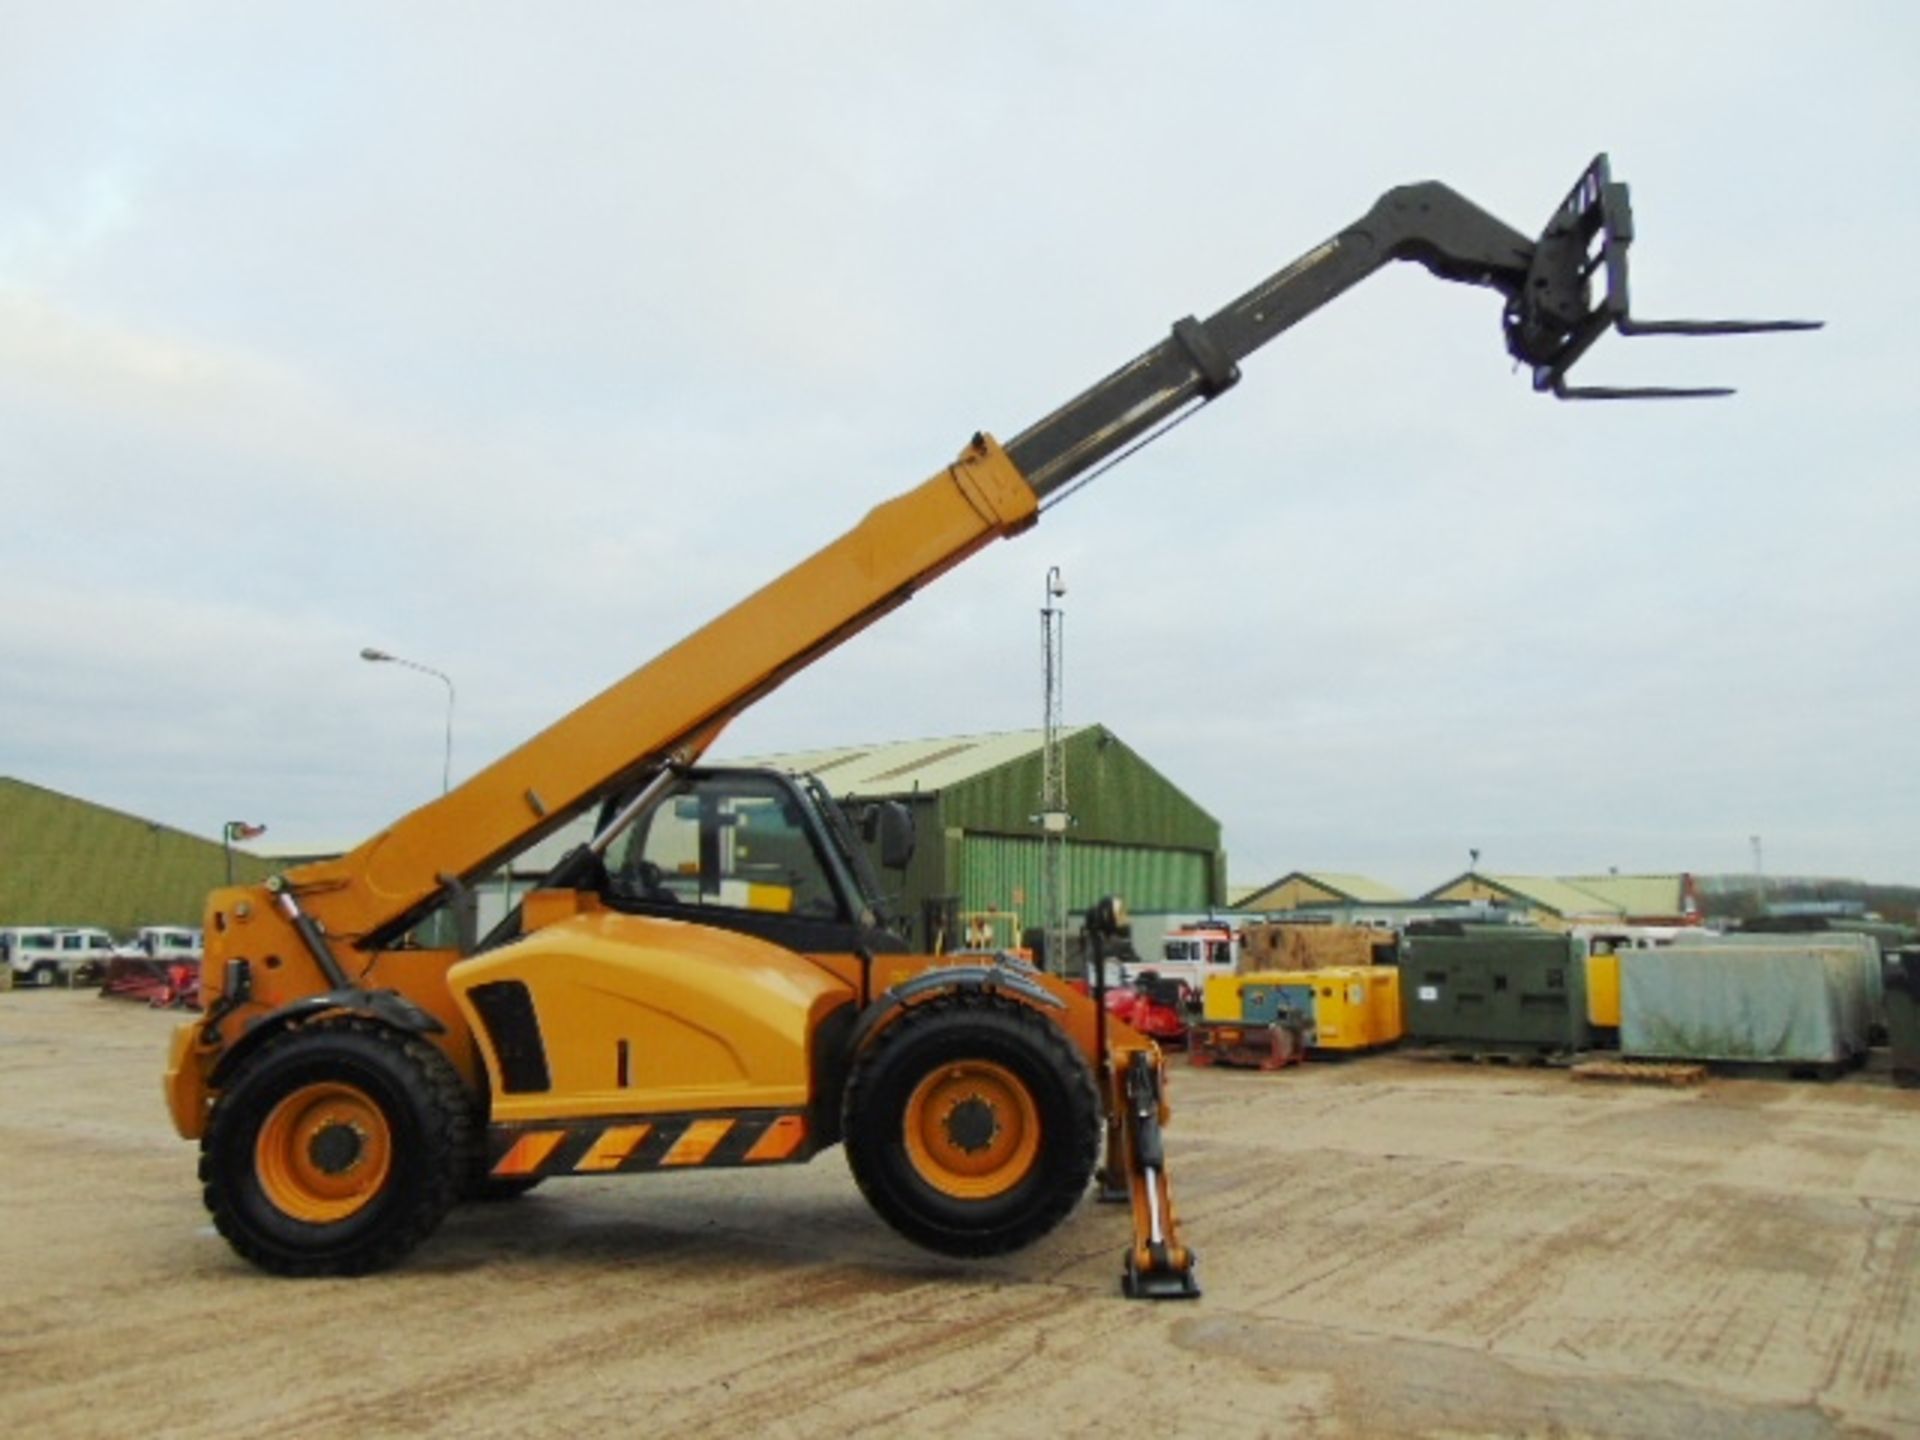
(337, 1147)
(324, 1152)
(972, 1129)
(972, 1125)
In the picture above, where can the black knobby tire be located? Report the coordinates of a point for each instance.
(400, 1086)
(1042, 1082)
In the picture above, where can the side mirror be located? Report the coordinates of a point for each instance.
(891, 823)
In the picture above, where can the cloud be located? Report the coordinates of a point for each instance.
(524, 343)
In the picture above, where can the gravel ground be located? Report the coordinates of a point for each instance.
(1389, 1246)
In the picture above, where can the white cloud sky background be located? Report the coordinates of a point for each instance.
(521, 341)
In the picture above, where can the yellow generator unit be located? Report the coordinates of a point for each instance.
(1350, 1007)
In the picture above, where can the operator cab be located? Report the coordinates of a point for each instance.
(760, 852)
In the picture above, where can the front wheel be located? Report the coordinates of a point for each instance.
(337, 1149)
(972, 1125)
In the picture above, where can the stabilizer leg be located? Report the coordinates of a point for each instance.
(1158, 1265)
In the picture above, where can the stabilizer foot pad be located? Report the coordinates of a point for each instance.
(1169, 1284)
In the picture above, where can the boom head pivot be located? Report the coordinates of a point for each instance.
(1555, 315)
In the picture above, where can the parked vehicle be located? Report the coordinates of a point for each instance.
(164, 942)
(1190, 956)
(44, 955)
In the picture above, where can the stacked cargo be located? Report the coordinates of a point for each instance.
(1494, 988)
(1266, 946)
(1748, 999)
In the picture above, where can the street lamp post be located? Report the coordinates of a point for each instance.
(382, 657)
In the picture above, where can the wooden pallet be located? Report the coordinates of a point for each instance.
(1640, 1072)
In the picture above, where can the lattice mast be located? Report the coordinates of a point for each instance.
(1053, 817)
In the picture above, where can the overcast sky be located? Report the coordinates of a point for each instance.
(519, 340)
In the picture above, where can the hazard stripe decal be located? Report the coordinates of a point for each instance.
(612, 1147)
(528, 1152)
(631, 1143)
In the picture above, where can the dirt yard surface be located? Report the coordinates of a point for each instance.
(1390, 1247)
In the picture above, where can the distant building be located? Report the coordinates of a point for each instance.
(67, 861)
(1646, 899)
(1305, 889)
(1559, 903)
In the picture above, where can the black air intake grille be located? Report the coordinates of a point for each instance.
(506, 1009)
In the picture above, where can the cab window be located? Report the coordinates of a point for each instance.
(727, 842)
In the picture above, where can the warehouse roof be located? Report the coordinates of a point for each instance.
(905, 767)
(1541, 891)
(1653, 895)
(1361, 889)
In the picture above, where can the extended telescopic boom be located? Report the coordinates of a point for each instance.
(678, 703)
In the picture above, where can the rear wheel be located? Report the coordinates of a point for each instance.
(972, 1125)
(337, 1149)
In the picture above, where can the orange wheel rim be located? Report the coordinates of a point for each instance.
(972, 1129)
(323, 1153)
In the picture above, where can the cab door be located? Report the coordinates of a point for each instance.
(742, 850)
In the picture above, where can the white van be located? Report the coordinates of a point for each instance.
(165, 942)
(48, 955)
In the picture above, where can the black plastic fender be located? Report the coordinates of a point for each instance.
(999, 978)
(387, 1007)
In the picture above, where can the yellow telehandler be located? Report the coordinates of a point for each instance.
(710, 982)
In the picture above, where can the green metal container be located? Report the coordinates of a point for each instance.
(1494, 987)
(1903, 1015)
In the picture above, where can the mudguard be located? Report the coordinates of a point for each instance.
(1000, 978)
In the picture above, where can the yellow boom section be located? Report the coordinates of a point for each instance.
(682, 699)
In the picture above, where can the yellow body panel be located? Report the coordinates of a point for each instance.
(706, 1019)
(185, 1084)
(1603, 990)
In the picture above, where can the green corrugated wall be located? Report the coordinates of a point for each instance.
(1134, 835)
(1115, 797)
(1002, 872)
(65, 861)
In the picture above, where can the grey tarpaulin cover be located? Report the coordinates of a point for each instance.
(1858, 944)
(1730, 1000)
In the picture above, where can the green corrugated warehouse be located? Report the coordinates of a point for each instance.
(974, 799)
(66, 861)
